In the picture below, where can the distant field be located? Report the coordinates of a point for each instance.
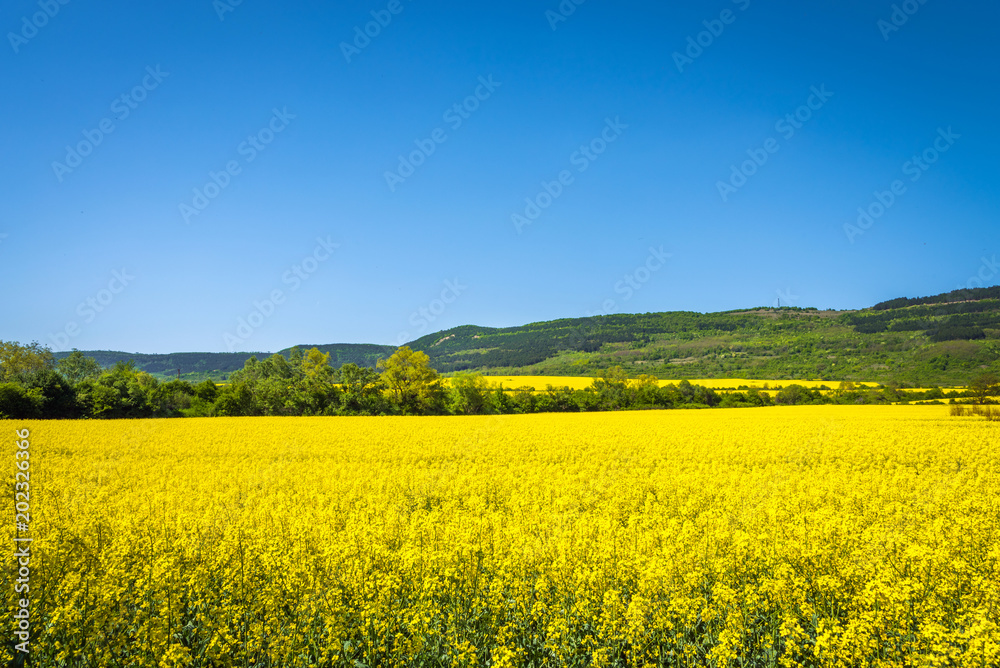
(582, 382)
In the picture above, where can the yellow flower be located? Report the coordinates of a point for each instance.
(799, 536)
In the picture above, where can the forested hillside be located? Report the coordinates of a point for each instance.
(919, 342)
(218, 366)
(927, 341)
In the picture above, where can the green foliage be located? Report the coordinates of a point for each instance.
(236, 400)
(412, 384)
(77, 367)
(174, 398)
(207, 391)
(359, 354)
(18, 402)
(557, 400)
(18, 362)
(59, 397)
(945, 340)
(942, 340)
(612, 389)
(949, 297)
(218, 366)
(500, 401)
(125, 392)
(793, 395)
(469, 395)
(362, 391)
(984, 385)
(887, 345)
(305, 384)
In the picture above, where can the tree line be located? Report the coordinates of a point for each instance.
(34, 385)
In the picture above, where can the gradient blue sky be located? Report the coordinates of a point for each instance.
(323, 176)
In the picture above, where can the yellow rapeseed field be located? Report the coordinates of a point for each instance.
(800, 536)
(582, 382)
(540, 382)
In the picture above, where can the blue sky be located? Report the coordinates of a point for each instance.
(274, 176)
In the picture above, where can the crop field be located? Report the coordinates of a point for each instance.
(797, 536)
(583, 382)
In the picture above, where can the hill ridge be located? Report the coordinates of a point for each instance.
(915, 341)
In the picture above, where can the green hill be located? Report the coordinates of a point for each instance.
(939, 340)
(192, 366)
(362, 354)
(933, 342)
(218, 366)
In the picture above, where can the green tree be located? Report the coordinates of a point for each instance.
(612, 388)
(237, 400)
(705, 396)
(203, 402)
(413, 385)
(276, 366)
(984, 385)
(756, 398)
(647, 390)
(316, 392)
(362, 391)
(794, 394)
(269, 387)
(557, 400)
(77, 367)
(316, 366)
(500, 401)
(97, 401)
(173, 398)
(251, 371)
(524, 399)
(128, 393)
(846, 387)
(33, 367)
(59, 398)
(207, 390)
(18, 402)
(685, 390)
(19, 361)
(469, 394)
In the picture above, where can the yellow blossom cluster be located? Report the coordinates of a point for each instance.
(583, 382)
(799, 536)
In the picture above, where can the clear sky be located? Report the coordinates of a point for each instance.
(199, 176)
